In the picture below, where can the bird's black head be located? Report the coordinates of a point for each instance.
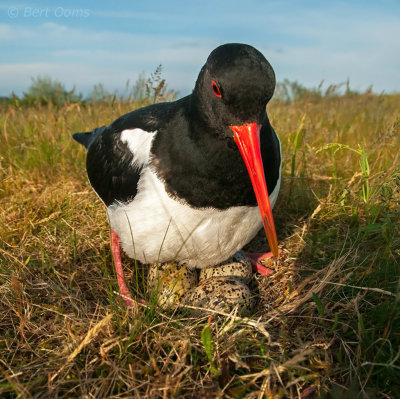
(229, 102)
(233, 87)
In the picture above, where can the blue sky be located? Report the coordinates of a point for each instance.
(84, 43)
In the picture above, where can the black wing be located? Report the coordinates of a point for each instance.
(109, 168)
(109, 160)
(87, 138)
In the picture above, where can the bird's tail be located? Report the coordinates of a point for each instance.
(87, 138)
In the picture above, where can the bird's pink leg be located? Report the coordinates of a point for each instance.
(255, 260)
(123, 289)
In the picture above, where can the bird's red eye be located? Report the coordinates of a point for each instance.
(216, 90)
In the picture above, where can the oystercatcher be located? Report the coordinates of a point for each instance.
(173, 175)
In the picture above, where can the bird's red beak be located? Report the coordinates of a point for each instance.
(247, 138)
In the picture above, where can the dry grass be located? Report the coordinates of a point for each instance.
(327, 321)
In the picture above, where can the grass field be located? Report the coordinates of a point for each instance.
(327, 323)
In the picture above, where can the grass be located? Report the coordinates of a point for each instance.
(327, 323)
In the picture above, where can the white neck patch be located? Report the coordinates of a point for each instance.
(139, 142)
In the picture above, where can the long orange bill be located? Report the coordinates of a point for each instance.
(247, 138)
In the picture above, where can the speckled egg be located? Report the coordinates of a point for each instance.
(222, 294)
(170, 282)
(236, 266)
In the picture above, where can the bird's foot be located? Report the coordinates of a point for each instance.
(123, 288)
(255, 260)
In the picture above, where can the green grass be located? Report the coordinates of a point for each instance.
(327, 323)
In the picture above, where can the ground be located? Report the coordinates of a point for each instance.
(327, 322)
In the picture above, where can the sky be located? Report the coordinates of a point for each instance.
(110, 42)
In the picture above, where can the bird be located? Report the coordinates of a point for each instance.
(184, 180)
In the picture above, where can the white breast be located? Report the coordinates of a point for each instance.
(155, 227)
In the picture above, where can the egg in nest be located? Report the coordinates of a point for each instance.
(221, 287)
(170, 282)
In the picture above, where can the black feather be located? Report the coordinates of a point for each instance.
(87, 138)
